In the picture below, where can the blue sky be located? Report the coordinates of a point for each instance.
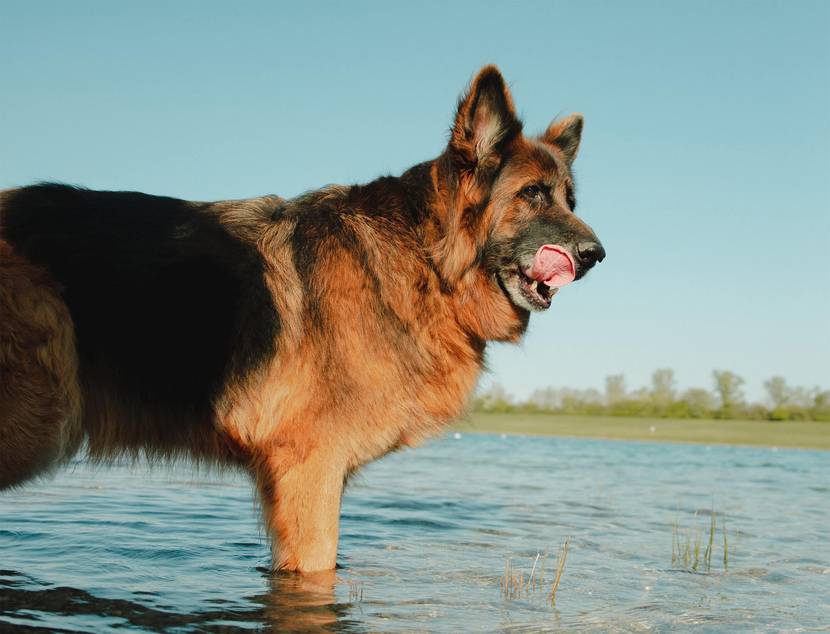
(705, 165)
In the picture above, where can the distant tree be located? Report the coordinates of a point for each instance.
(614, 389)
(801, 404)
(547, 399)
(641, 394)
(592, 402)
(581, 401)
(821, 405)
(778, 391)
(494, 399)
(802, 397)
(661, 399)
(662, 389)
(728, 388)
(699, 402)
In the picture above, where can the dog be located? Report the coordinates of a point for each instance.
(295, 339)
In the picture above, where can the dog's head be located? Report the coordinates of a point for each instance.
(510, 202)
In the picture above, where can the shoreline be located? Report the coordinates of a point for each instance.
(655, 441)
(740, 433)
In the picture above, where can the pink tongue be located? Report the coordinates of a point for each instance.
(552, 265)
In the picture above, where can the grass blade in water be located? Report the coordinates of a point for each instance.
(560, 568)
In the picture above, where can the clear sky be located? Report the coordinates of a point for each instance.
(705, 164)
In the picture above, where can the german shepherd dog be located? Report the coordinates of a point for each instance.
(295, 339)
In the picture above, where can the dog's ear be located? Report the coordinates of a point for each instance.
(565, 135)
(485, 121)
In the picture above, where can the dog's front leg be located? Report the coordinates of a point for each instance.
(301, 502)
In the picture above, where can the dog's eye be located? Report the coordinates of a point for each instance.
(532, 192)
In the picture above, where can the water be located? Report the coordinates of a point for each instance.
(424, 540)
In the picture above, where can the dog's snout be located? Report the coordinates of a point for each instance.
(590, 253)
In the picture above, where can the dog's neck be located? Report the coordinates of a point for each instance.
(448, 212)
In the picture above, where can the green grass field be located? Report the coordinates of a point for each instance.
(806, 434)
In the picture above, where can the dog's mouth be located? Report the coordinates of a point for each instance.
(532, 286)
(524, 291)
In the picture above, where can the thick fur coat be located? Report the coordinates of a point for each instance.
(296, 339)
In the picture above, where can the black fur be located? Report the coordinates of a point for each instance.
(167, 305)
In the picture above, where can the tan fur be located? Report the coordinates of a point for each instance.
(405, 312)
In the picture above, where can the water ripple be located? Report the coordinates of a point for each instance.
(108, 549)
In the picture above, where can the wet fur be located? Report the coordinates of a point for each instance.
(295, 339)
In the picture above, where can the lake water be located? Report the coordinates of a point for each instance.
(425, 538)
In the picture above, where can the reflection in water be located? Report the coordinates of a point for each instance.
(294, 603)
(425, 536)
(299, 603)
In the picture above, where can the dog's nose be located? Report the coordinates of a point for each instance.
(590, 253)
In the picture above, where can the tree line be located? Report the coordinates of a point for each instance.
(725, 399)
